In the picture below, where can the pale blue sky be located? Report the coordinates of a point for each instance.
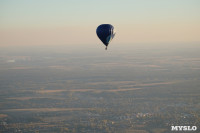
(143, 16)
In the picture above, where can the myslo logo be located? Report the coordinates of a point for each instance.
(183, 128)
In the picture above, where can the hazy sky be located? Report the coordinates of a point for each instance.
(42, 22)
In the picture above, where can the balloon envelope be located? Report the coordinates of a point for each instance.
(106, 33)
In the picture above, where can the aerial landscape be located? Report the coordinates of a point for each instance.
(74, 66)
(124, 90)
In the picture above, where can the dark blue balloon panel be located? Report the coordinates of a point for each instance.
(106, 33)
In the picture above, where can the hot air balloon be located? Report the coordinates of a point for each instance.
(106, 33)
